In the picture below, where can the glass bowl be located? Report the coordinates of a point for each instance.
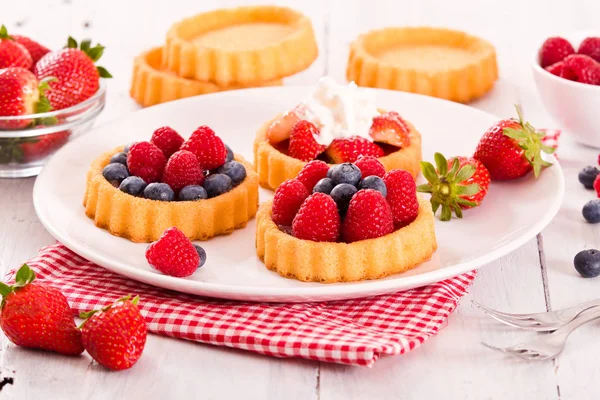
(28, 141)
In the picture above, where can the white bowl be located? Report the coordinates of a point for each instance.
(574, 106)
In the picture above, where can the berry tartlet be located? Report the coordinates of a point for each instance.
(346, 223)
(337, 124)
(197, 185)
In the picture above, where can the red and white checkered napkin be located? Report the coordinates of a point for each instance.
(352, 332)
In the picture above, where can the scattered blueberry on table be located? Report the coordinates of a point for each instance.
(587, 263)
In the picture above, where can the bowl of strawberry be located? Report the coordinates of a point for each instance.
(566, 70)
(47, 97)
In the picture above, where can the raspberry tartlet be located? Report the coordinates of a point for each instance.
(198, 186)
(352, 227)
(337, 124)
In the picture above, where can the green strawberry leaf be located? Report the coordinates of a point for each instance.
(24, 276)
(466, 172)
(4, 33)
(95, 52)
(429, 172)
(5, 290)
(454, 168)
(103, 72)
(425, 188)
(71, 43)
(85, 45)
(468, 190)
(441, 163)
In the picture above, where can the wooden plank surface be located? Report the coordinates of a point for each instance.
(453, 364)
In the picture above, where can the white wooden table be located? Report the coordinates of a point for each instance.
(453, 365)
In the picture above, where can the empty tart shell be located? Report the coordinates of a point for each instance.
(275, 167)
(436, 62)
(328, 262)
(151, 84)
(242, 45)
(144, 220)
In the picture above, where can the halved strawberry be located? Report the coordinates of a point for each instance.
(303, 145)
(390, 128)
(281, 128)
(348, 150)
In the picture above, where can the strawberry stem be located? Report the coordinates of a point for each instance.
(24, 277)
(92, 52)
(4, 33)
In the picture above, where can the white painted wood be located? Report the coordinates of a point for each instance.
(453, 364)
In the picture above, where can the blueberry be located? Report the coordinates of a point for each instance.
(233, 170)
(329, 172)
(191, 193)
(217, 184)
(159, 191)
(229, 154)
(119, 158)
(115, 173)
(202, 253)
(342, 194)
(587, 176)
(591, 211)
(133, 185)
(325, 185)
(587, 263)
(346, 173)
(127, 147)
(374, 182)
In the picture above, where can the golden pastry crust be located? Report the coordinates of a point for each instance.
(151, 84)
(327, 262)
(241, 45)
(144, 220)
(274, 167)
(436, 62)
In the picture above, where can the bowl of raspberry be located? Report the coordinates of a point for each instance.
(46, 98)
(566, 70)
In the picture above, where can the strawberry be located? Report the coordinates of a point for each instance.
(511, 149)
(207, 147)
(289, 196)
(38, 316)
(317, 219)
(167, 140)
(597, 186)
(182, 170)
(12, 54)
(312, 173)
(348, 150)
(281, 128)
(77, 78)
(303, 145)
(369, 216)
(590, 47)
(401, 196)
(38, 147)
(35, 50)
(390, 128)
(553, 50)
(146, 161)
(369, 166)
(173, 254)
(583, 68)
(459, 183)
(115, 336)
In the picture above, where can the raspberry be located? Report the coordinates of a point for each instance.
(553, 50)
(402, 196)
(597, 185)
(167, 139)
(317, 219)
(207, 147)
(590, 47)
(585, 69)
(146, 161)
(182, 170)
(312, 173)
(303, 145)
(370, 165)
(369, 216)
(289, 196)
(348, 150)
(173, 254)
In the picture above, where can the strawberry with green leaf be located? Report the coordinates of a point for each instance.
(38, 316)
(455, 184)
(77, 76)
(12, 53)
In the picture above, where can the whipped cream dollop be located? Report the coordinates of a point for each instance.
(339, 111)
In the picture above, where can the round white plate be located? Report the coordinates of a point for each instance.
(512, 213)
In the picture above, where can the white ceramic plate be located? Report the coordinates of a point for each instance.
(512, 213)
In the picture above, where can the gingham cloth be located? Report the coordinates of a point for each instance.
(355, 332)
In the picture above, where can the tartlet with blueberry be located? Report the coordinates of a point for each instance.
(336, 124)
(349, 222)
(197, 185)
